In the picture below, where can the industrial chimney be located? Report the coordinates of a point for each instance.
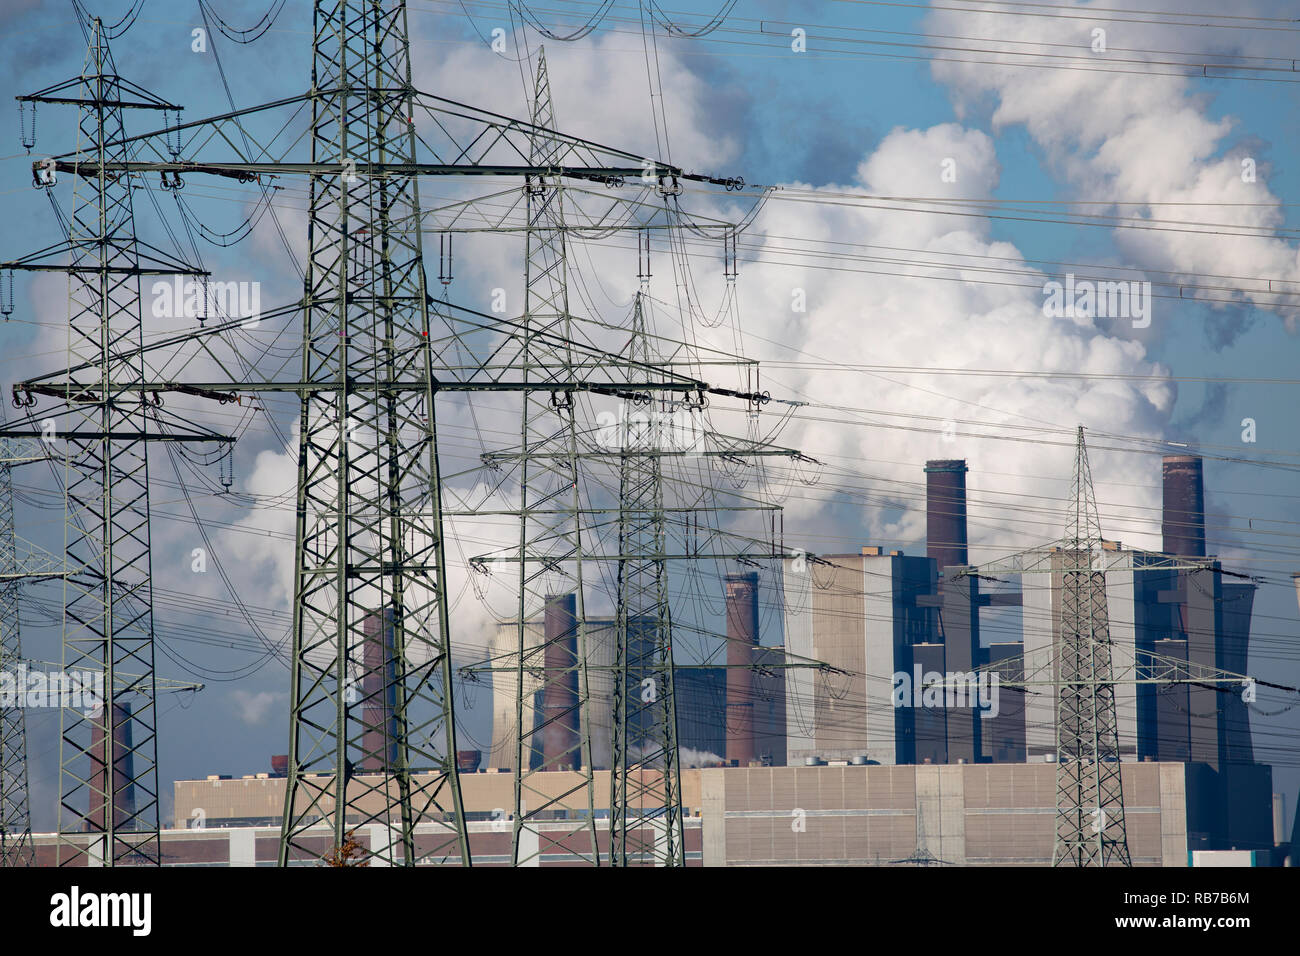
(378, 694)
(945, 512)
(467, 761)
(1184, 512)
(561, 737)
(118, 717)
(742, 638)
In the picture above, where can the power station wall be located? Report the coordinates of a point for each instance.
(1122, 587)
(1004, 734)
(601, 638)
(839, 623)
(701, 701)
(769, 705)
(701, 705)
(859, 614)
(1041, 597)
(929, 724)
(800, 683)
(973, 814)
(1237, 603)
(489, 844)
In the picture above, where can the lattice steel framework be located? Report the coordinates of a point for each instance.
(15, 810)
(1090, 829)
(369, 536)
(550, 532)
(108, 760)
(645, 779)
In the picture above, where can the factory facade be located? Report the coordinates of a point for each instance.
(872, 759)
(724, 714)
(882, 620)
(979, 815)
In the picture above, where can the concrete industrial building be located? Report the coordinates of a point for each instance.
(709, 729)
(972, 814)
(868, 782)
(600, 636)
(876, 614)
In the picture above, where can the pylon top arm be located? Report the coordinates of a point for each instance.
(492, 144)
(1147, 667)
(1039, 560)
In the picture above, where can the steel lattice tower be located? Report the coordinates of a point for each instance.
(645, 779)
(1090, 827)
(15, 811)
(550, 542)
(108, 760)
(370, 534)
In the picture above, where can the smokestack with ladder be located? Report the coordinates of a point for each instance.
(1183, 526)
(742, 638)
(118, 718)
(561, 733)
(945, 512)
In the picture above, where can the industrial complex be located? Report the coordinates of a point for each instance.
(847, 763)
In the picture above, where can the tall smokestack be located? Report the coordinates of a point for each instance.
(945, 512)
(1184, 512)
(561, 736)
(378, 694)
(742, 638)
(1295, 579)
(119, 720)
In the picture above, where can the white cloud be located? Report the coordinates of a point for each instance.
(1149, 141)
(253, 708)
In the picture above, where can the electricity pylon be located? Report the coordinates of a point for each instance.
(103, 428)
(370, 535)
(15, 809)
(1090, 827)
(550, 531)
(645, 761)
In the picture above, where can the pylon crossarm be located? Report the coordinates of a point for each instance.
(587, 369)
(467, 137)
(30, 560)
(148, 260)
(493, 149)
(1046, 559)
(594, 214)
(1147, 667)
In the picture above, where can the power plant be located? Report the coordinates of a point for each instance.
(881, 625)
